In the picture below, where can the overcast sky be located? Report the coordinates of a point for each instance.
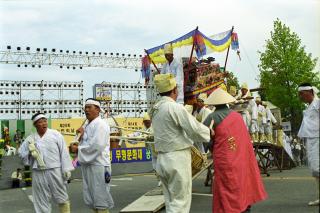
(129, 26)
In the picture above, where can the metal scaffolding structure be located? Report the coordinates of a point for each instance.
(69, 59)
(21, 99)
(125, 98)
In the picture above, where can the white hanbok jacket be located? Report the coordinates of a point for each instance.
(52, 149)
(202, 114)
(94, 148)
(176, 69)
(310, 124)
(270, 116)
(178, 128)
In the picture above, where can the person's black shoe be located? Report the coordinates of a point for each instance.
(247, 210)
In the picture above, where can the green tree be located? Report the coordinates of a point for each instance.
(232, 80)
(283, 66)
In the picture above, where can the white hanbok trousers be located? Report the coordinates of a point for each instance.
(96, 192)
(312, 146)
(174, 169)
(47, 184)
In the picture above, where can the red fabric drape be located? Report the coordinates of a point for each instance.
(237, 180)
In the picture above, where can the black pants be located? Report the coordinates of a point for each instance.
(15, 183)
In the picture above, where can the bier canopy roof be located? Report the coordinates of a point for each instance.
(203, 44)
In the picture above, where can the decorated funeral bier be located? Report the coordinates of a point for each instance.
(200, 75)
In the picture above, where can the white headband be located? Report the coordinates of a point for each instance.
(303, 88)
(94, 102)
(38, 117)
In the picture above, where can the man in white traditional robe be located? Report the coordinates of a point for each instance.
(270, 120)
(262, 119)
(174, 132)
(309, 130)
(148, 128)
(94, 159)
(46, 153)
(201, 112)
(249, 113)
(174, 66)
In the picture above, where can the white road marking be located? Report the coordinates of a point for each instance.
(30, 198)
(127, 178)
(202, 194)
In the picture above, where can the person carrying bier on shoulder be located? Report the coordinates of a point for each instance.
(174, 132)
(237, 182)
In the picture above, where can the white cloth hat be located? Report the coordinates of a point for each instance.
(146, 117)
(244, 86)
(94, 102)
(219, 97)
(38, 117)
(168, 49)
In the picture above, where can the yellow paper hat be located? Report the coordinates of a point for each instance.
(189, 108)
(165, 82)
(218, 97)
(168, 49)
(146, 117)
(233, 90)
(244, 86)
(203, 96)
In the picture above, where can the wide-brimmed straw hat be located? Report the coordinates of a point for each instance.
(219, 97)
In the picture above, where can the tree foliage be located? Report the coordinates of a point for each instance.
(283, 66)
(232, 80)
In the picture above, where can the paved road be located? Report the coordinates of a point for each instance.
(289, 191)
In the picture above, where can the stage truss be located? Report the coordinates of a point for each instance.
(68, 59)
(125, 98)
(21, 99)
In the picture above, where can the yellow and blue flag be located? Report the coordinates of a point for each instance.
(203, 44)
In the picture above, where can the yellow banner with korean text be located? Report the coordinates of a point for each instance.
(67, 127)
(131, 123)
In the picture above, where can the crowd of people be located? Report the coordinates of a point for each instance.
(256, 114)
(9, 148)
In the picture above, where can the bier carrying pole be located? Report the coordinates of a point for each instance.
(225, 63)
(155, 66)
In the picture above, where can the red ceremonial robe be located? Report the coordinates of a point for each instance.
(237, 181)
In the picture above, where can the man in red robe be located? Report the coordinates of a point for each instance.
(237, 181)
